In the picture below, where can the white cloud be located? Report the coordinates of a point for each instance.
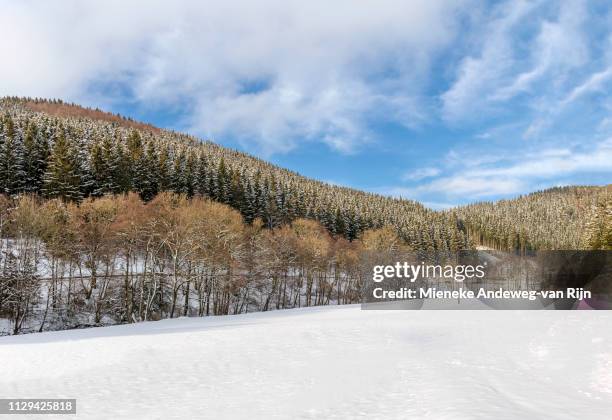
(267, 72)
(553, 109)
(480, 73)
(520, 173)
(473, 186)
(505, 66)
(594, 83)
(559, 46)
(420, 173)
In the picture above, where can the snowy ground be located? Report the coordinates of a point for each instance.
(334, 362)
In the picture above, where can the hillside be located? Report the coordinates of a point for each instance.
(337, 362)
(63, 150)
(557, 218)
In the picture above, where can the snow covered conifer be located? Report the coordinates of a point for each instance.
(62, 176)
(11, 160)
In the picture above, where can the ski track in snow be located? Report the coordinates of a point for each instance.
(325, 363)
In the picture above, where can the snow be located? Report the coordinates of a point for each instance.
(328, 362)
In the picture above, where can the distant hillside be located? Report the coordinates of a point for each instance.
(557, 218)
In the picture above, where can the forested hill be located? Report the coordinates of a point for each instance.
(558, 218)
(63, 150)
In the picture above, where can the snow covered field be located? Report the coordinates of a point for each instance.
(328, 362)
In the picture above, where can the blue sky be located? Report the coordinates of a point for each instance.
(442, 102)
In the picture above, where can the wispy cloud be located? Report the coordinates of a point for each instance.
(482, 72)
(522, 172)
(420, 173)
(511, 61)
(559, 46)
(555, 108)
(594, 83)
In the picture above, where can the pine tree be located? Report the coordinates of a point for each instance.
(148, 177)
(80, 145)
(12, 174)
(190, 175)
(105, 168)
(177, 183)
(163, 169)
(62, 178)
(134, 160)
(203, 176)
(31, 161)
(221, 191)
(249, 208)
(237, 194)
(123, 169)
